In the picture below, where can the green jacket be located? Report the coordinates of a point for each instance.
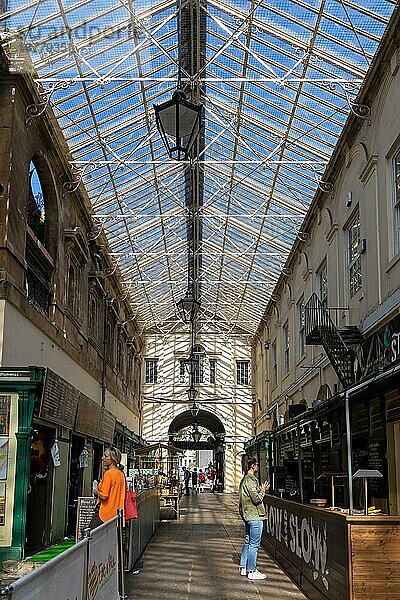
(251, 505)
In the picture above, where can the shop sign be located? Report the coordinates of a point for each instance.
(304, 536)
(380, 350)
(19, 375)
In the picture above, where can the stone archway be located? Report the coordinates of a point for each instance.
(215, 442)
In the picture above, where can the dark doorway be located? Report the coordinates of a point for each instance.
(38, 513)
(75, 482)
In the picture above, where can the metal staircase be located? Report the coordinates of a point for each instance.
(320, 329)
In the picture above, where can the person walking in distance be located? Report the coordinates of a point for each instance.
(202, 480)
(186, 479)
(110, 492)
(195, 480)
(252, 511)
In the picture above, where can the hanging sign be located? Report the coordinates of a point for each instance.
(55, 454)
(84, 459)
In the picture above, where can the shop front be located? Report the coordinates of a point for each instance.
(334, 471)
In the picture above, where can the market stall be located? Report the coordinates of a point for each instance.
(332, 555)
(158, 466)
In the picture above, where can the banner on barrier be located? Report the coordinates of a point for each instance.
(62, 578)
(103, 563)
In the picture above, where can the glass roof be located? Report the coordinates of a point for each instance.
(278, 79)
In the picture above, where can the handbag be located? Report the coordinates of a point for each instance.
(130, 508)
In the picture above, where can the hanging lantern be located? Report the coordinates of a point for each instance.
(179, 122)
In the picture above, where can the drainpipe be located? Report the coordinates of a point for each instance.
(349, 450)
(299, 456)
(104, 366)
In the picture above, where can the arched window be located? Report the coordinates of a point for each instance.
(36, 208)
(94, 316)
(41, 219)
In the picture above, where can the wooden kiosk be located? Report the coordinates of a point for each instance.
(332, 555)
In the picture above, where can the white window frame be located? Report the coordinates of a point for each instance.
(286, 348)
(274, 364)
(300, 326)
(353, 237)
(151, 370)
(396, 201)
(213, 370)
(322, 282)
(182, 370)
(243, 372)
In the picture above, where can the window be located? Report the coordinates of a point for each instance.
(353, 256)
(182, 371)
(198, 374)
(36, 205)
(74, 285)
(286, 348)
(322, 283)
(151, 370)
(396, 202)
(300, 328)
(94, 316)
(274, 364)
(213, 370)
(130, 366)
(242, 372)
(199, 354)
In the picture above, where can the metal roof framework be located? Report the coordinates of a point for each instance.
(278, 79)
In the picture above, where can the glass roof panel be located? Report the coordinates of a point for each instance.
(278, 79)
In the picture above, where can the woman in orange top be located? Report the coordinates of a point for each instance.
(110, 492)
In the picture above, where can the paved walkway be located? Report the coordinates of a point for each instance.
(197, 558)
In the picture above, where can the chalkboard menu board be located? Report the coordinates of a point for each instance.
(59, 400)
(88, 417)
(85, 508)
(107, 427)
(376, 454)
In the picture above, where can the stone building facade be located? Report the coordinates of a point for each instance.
(70, 347)
(332, 322)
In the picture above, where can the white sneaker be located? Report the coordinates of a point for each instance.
(243, 571)
(256, 575)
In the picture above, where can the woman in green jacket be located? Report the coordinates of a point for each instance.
(252, 511)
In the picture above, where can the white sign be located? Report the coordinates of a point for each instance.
(103, 562)
(53, 580)
(55, 454)
(84, 459)
(395, 346)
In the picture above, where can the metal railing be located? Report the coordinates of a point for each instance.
(319, 328)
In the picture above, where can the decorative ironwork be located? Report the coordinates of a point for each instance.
(45, 94)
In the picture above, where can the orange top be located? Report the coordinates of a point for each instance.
(113, 486)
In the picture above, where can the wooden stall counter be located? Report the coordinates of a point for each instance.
(332, 555)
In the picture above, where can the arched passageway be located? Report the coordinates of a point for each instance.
(214, 442)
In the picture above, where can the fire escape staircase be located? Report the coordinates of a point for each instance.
(338, 344)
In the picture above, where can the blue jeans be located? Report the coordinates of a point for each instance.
(251, 544)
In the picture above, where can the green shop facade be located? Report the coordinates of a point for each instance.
(52, 437)
(20, 389)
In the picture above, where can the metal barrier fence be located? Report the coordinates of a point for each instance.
(93, 569)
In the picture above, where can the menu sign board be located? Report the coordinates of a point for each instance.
(107, 427)
(85, 508)
(5, 402)
(376, 457)
(88, 417)
(59, 400)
